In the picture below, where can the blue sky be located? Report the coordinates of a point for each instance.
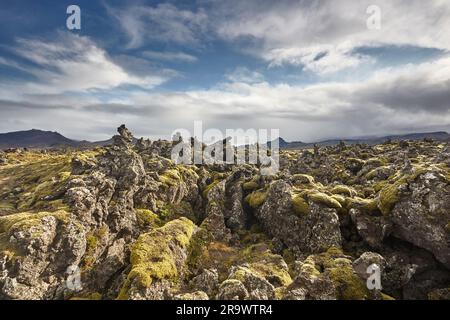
(314, 70)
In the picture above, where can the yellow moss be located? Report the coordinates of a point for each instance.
(334, 251)
(206, 254)
(36, 183)
(25, 220)
(300, 179)
(325, 199)
(348, 284)
(209, 187)
(301, 206)
(250, 186)
(308, 268)
(367, 205)
(263, 262)
(388, 197)
(374, 173)
(341, 189)
(389, 194)
(386, 297)
(147, 218)
(256, 198)
(170, 177)
(152, 255)
(170, 211)
(89, 296)
(376, 162)
(338, 268)
(93, 240)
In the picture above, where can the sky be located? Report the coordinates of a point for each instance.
(312, 69)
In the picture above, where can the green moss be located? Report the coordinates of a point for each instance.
(263, 262)
(197, 248)
(300, 179)
(170, 211)
(376, 162)
(301, 206)
(209, 187)
(344, 190)
(256, 198)
(250, 186)
(386, 297)
(288, 256)
(388, 197)
(366, 205)
(348, 284)
(93, 240)
(170, 178)
(324, 199)
(26, 220)
(204, 253)
(333, 264)
(88, 296)
(147, 218)
(35, 183)
(152, 257)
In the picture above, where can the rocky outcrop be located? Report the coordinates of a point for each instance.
(312, 231)
(125, 222)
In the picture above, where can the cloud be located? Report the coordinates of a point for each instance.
(169, 56)
(163, 23)
(243, 74)
(72, 63)
(407, 99)
(299, 32)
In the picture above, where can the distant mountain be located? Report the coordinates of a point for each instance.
(34, 139)
(439, 136)
(38, 139)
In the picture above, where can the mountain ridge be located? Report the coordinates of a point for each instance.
(41, 139)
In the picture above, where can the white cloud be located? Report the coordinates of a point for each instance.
(407, 99)
(163, 22)
(73, 63)
(169, 56)
(295, 32)
(243, 74)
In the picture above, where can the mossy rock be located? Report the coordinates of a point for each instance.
(265, 263)
(35, 184)
(343, 190)
(147, 218)
(300, 179)
(208, 188)
(153, 257)
(348, 284)
(322, 198)
(338, 268)
(94, 239)
(250, 186)
(25, 221)
(301, 206)
(256, 198)
(170, 178)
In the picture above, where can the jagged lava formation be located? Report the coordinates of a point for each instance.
(137, 226)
